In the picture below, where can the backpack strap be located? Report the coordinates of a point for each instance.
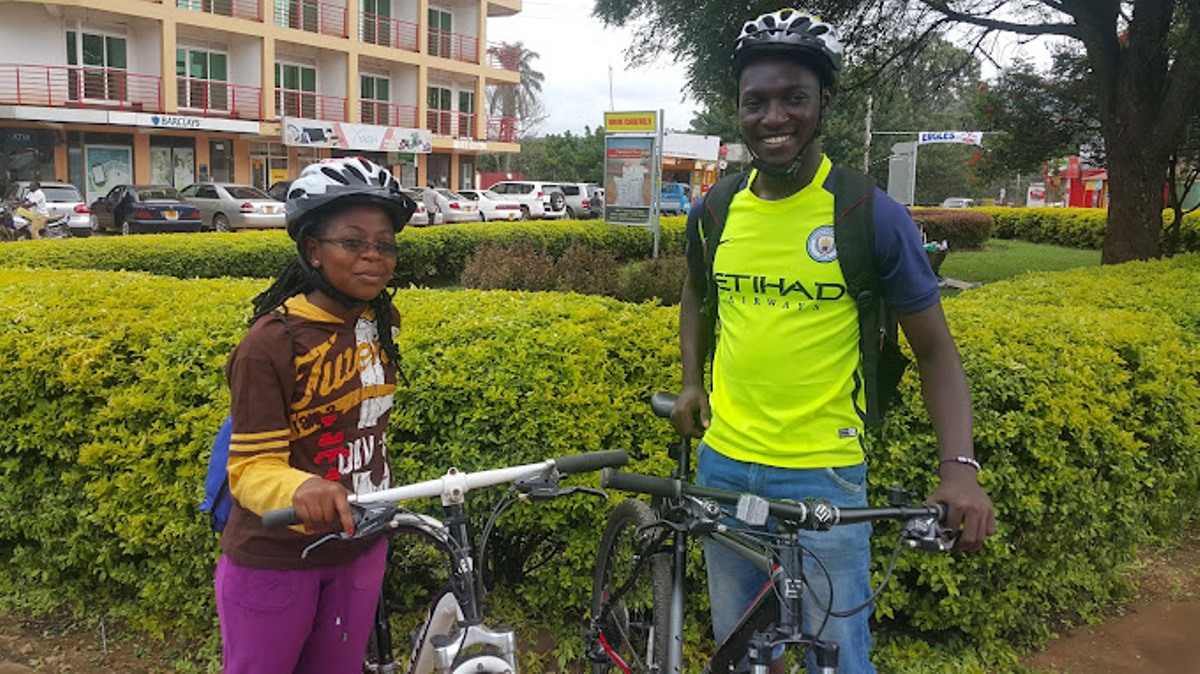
(707, 234)
(854, 236)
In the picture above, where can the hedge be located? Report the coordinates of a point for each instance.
(1075, 227)
(961, 228)
(1087, 413)
(427, 254)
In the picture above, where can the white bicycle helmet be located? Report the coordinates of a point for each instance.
(788, 31)
(344, 182)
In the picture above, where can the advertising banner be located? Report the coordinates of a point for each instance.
(961, 137)
(1036, 195)
(107, 166)
(622, 122)
(317, 133)
(629, 178)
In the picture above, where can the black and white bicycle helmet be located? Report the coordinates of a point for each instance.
(345, 182)
(788, 31)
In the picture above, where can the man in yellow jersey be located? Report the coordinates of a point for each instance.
(786, 415)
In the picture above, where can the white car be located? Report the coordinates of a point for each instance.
(577, 196)
(494, 206)
(420, 217)
(456, 208)
(538, 199)
(61, 199)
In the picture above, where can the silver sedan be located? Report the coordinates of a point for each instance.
(225, 207)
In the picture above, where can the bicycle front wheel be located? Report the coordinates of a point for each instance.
(631, 591)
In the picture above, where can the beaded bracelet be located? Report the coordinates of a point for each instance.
(962, 459)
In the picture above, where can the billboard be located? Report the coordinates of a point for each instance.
(629, 177)
(317, 133)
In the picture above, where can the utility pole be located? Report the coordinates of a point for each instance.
(867, 136)
(611, 107)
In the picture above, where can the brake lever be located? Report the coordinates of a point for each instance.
(926, 533)
(368, 521)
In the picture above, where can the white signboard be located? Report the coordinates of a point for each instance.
(691, 146)
(317, 133)
(183, 122)
(1036, 195)
(961, 137)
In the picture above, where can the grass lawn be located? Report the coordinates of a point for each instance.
(1001, 259)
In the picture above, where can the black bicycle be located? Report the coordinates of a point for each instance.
(453, 639)
(637, 604)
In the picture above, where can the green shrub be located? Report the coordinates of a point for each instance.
(659, 280)
(961, 228)
(428, 255)
(1074, 227)
(518, 267)
(1087, 422)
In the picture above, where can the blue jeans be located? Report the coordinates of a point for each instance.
(845, 551)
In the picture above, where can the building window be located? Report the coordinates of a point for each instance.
(374, 97)
(377, 22)
(466, 114)
(440, 26)
(203, 77)
(98, 67)
(222, 7)
(295, 90)
(439, 114)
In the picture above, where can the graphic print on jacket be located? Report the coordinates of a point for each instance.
(310, 397)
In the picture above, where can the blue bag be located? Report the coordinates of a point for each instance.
(217, 501)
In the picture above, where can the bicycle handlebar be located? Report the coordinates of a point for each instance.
(808, 514)
(454, 484)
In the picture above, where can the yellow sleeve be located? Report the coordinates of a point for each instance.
(260, 477)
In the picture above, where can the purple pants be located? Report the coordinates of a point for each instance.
(298, 621)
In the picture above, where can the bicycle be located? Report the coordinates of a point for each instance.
(637, 604)
(453, 639)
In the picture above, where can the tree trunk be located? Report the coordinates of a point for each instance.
(1135, 188)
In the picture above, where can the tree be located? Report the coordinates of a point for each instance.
(1144, 58)
(520, 102)
(1183, 175)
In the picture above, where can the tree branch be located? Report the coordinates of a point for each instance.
(1066, 29)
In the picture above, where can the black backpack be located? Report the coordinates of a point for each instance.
(854, 235)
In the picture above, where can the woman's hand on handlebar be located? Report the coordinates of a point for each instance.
(691, 415)
(323, 507)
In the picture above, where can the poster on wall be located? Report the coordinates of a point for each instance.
(160, 165)
(184, 167)
(107, 166)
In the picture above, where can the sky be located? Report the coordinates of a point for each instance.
(575, 51)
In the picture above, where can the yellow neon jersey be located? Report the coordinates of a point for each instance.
(786, 383)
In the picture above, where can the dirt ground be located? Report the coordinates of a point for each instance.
(1158, 633)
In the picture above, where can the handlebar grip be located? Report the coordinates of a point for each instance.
(277, 519)
(591, 461)
(642, 484)
(661, 403)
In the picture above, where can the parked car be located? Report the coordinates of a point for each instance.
(132, 209)
(575, 196)
(279, 190)
(460, 209)
(420, 217)
(493, 206)
(225, 207)
(61, 199)
(596, 201)
(958, 202)
(538, 199)
(676, 199)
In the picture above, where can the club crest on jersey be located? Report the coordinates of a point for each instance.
(821, 246)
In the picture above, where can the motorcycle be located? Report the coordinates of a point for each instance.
(14, 227)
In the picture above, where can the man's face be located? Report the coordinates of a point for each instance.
(780, 103)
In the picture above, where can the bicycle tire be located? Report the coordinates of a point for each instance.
(635, 628)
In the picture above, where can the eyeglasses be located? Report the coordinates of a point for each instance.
(360, 246)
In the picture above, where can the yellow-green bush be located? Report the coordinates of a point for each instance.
(1074, 227)
(427, 254)
(1087, 423)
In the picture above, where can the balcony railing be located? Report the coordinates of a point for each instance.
(292, 103)
(387, 114)
(219, 99)
(450, 123)
(313, 16)
(504, 56)
(502, 128)
(387, 32)
(83, 87)
(241, 9)
(454, 46)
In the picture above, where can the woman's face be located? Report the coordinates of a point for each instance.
(347, 251)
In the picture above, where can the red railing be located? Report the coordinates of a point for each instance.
(241, 9)
(387, 114)
(504, 56)
(313, 16)
(291, 103)
(454, 46)
(502, 128)
(450, 123)
(387, 32)
(72, 86)
(219, 99)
